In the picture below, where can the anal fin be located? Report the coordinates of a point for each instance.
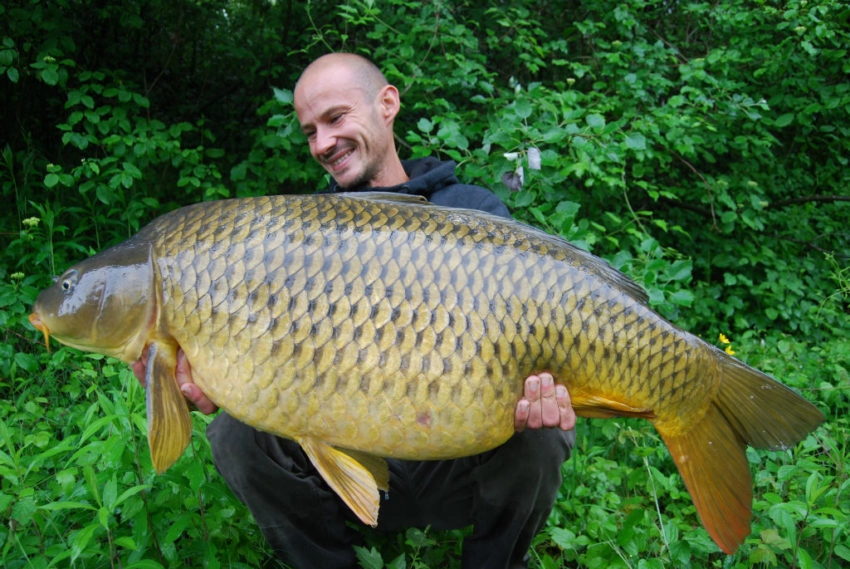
(169, 420)
(597, 406)
(355, 476)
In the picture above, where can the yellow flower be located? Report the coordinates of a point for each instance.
(725, 340)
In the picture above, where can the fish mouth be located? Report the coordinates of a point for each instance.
(36, 322)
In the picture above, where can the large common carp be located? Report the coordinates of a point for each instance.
(374, 325)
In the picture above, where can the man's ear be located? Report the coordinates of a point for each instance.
(390, 102)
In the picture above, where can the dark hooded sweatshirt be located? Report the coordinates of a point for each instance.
(436, 180)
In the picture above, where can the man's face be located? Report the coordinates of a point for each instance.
(345, 127)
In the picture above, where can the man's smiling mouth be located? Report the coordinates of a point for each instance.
(339, 160)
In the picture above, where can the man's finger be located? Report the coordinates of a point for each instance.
(139, 366)
(521, 416)
(565, 408)
(533, 389)
(191, 391)
(550, 413)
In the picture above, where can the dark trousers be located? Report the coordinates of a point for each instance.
(506, 494)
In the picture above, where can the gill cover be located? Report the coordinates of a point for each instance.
(104, 304)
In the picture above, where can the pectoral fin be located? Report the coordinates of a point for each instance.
(169, 420)
(355, 476)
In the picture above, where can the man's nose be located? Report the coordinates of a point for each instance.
(324, 141)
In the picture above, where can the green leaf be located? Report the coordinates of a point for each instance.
(681, 298)
(784, 120)
(5, 501)
(81, 539)
(283, 96)
(680, 271)
(425, 125)
(524, 108)
(23, 510)
(126, 542)
(110, 492)
(141, 101)
(130, 492)
(26, 362)
(595, 121)
(563, 537)
(144, 564)
(68, 505)
(369, 558)
(132, 170)
(239, 172)
(50, 76)
(636, 141)
(177, 527)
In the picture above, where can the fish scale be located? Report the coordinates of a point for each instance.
(316, 337)
(372, 325)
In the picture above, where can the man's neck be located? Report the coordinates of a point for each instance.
(392, 175)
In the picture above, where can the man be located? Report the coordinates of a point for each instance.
(347, 109)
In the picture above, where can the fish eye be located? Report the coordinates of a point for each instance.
(69, 279)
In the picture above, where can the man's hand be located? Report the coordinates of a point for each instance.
(544, 404)
(184, 379)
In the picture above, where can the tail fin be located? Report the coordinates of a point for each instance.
(750, 408)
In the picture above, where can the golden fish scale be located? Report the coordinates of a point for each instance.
(299, 314)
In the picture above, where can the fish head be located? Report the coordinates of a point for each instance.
(104, 304)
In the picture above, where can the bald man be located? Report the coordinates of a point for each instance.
(346, 109)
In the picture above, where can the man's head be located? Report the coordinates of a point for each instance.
(346, 108)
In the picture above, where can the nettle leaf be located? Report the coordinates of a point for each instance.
(369, 558)
(23, 510)
(563, 537)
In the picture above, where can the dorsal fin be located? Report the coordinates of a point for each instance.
(388, 197)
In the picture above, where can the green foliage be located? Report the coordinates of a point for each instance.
(701, 148)
(78, 486)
